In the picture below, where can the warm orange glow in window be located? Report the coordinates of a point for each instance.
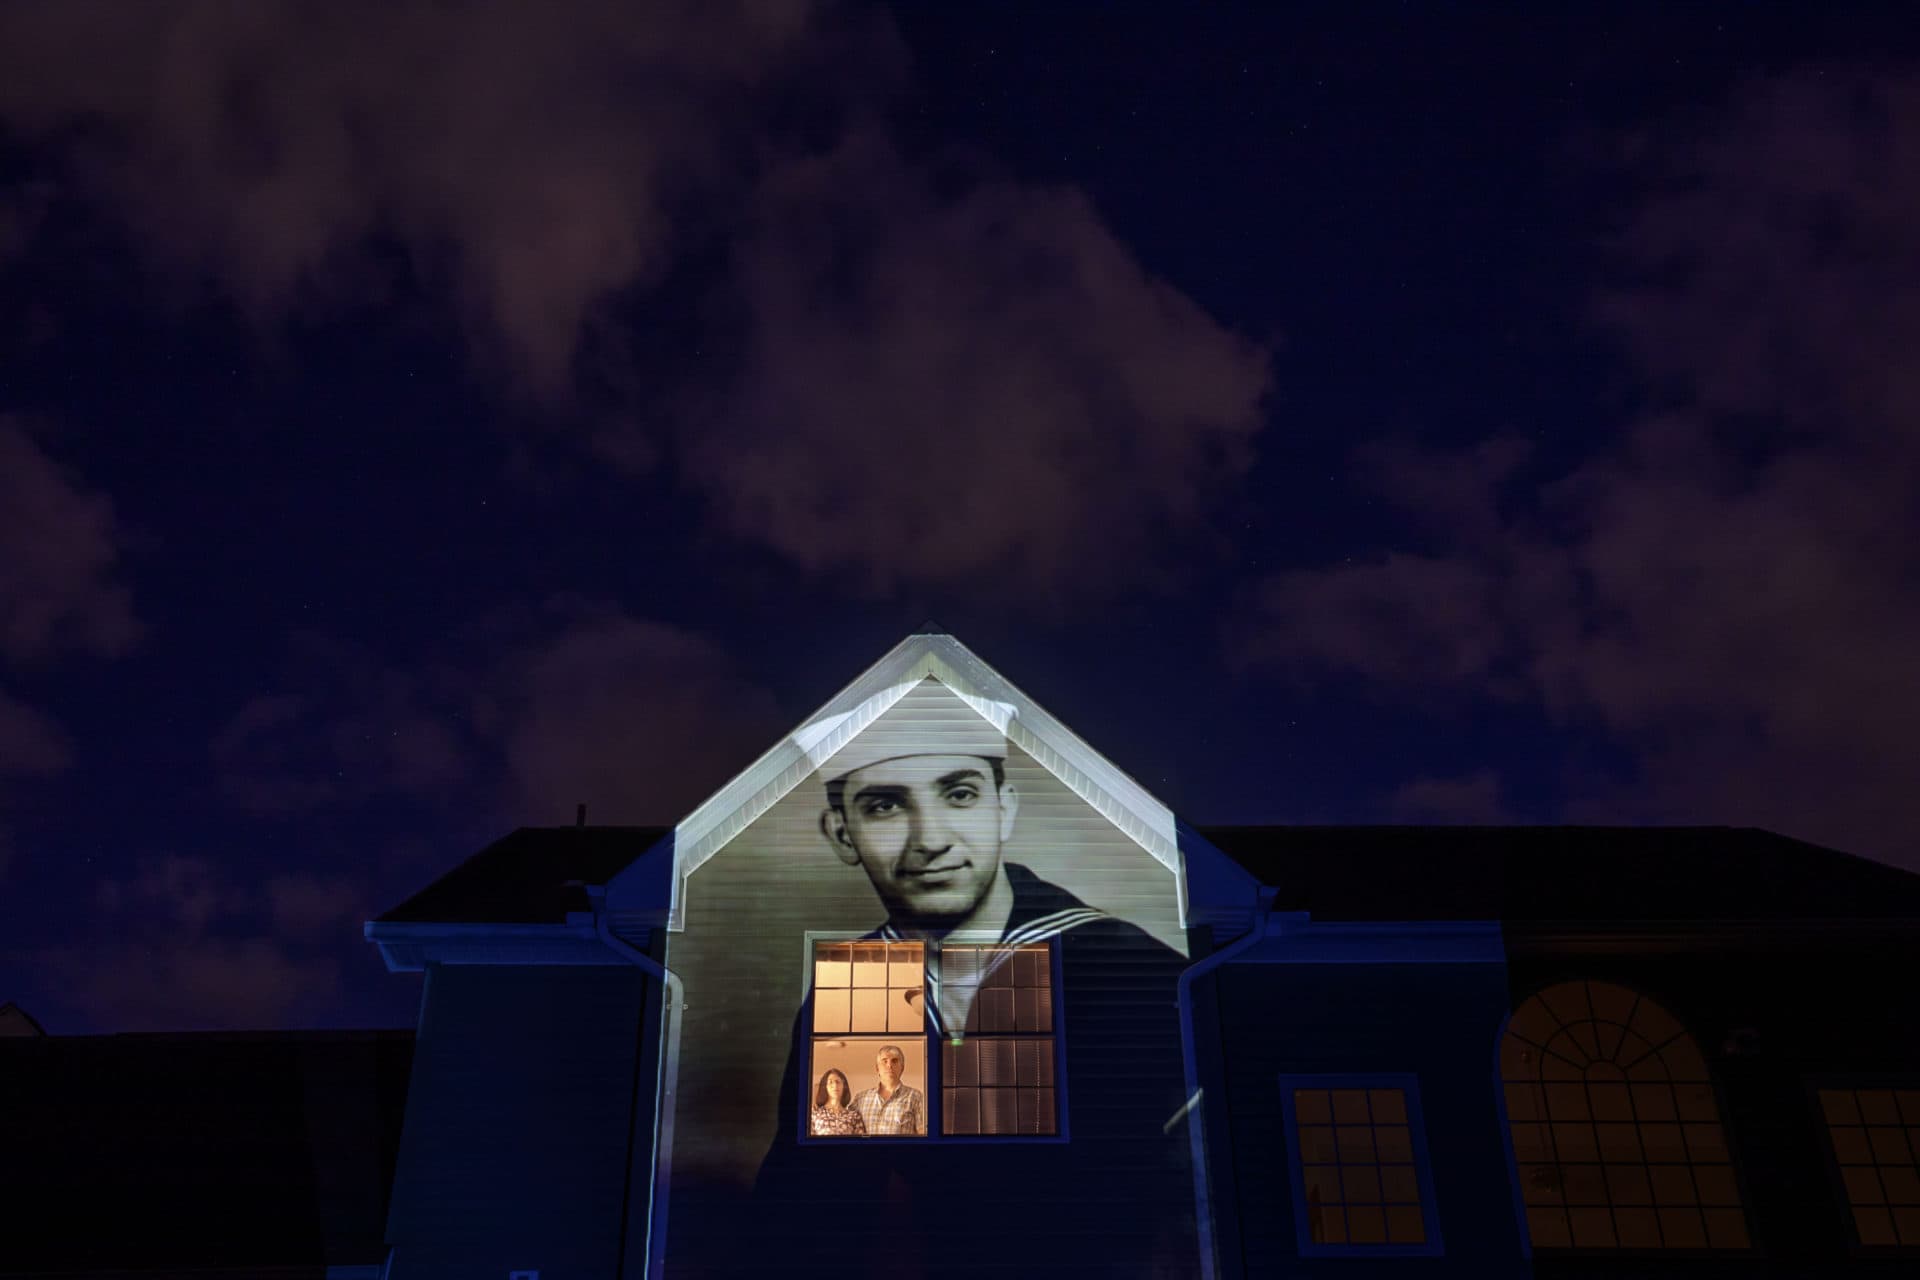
(1356, 1156)
(1876, 1143)
(1616, 1132)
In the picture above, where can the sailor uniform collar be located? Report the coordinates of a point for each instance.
(1041, 911)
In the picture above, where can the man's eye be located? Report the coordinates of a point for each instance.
(879, 808)
(963, 795)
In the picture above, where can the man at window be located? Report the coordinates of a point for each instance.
(892, 1107)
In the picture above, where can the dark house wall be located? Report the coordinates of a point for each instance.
(516, 1147)
(267, 1153)
(1775, 1016)
(1436, 1021)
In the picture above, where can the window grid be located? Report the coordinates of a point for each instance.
(1616, 1134)
(868, 988)
(1876, 1144)
(997, 1078)
(1361, 1182)
(1002, 1082)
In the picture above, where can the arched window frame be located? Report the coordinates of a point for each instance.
(1635, 1169)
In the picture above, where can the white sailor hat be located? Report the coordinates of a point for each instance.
(910, 727)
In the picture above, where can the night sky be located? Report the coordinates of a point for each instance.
(418, 419)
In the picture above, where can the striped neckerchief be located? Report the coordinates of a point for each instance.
(1041, 911)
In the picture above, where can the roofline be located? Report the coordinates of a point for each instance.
(1057, 749)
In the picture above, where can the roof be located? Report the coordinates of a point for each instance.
(1566, 874)
(250, 1151)
(534, 875)
(927, 677)
(537, 874)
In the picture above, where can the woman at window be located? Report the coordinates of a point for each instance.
(833, 1113)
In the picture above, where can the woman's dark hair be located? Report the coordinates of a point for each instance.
(846, 1088)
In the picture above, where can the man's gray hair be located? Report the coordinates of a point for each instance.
(893, 1049)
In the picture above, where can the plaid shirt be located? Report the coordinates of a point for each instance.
(904, 1114)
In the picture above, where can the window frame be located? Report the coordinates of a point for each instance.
(1711, 1080)
(1836, 1179)
(1409, 1085)
(933, 1085)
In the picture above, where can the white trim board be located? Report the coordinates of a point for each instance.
(1057, 749)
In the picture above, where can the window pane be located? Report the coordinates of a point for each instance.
(1839, 1106)
(1627, 1184)
(1875, 1226)
(1683, 1229)
(1863, 1186)
(1877, 1107)
(1592, 1228)
(1316, 1144)
(1389, 1106)
(830, 1010)
(1350, 1106)
(1399, 1184)
(1394, 1143)
(1366, 1224)
(961, 1111)
(1637, 1228)
(1906, 1224)
(1310, 1106)
(1404, 1225)
(833, 965)
(1355, 1142)
(1715, 1184)
(1654, 1102)
(1547, 1229)
(869, 1007)
(903, 1011)
(1330, 1225)
(1902, 1184)
(1360, 1185)
(1909, 1103)
(1889, 1146)
(870, 964)
(1726, 1228)
(1323, 1184)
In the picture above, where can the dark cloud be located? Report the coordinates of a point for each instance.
(59, 586)
(965, 388)
(522, 718)
(60, 597)
(181, 945)
(31, 744)
(524, 157)
(1476, 799)
(878, 327)
(1733, 591)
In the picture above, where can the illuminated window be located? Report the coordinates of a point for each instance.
(1616, 1134)
(873, 1068)
(997, 1077)
(1358, 1154)
(1876, 1143)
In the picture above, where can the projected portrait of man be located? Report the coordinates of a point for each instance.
(929, 828)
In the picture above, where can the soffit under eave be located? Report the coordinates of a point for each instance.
(1057, 749)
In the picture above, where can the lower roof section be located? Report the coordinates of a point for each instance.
(540, 875)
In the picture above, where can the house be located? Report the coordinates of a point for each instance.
(932, 989)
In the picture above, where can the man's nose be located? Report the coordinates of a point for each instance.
(931, 831)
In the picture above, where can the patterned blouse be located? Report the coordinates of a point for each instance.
(844, 1123)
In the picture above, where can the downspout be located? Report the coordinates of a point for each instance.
(1190, 1059)
(665, 1082)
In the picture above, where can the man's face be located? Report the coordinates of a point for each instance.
(889, 1067)
(928, 831)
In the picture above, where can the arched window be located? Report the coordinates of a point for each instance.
(1616, 1135)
